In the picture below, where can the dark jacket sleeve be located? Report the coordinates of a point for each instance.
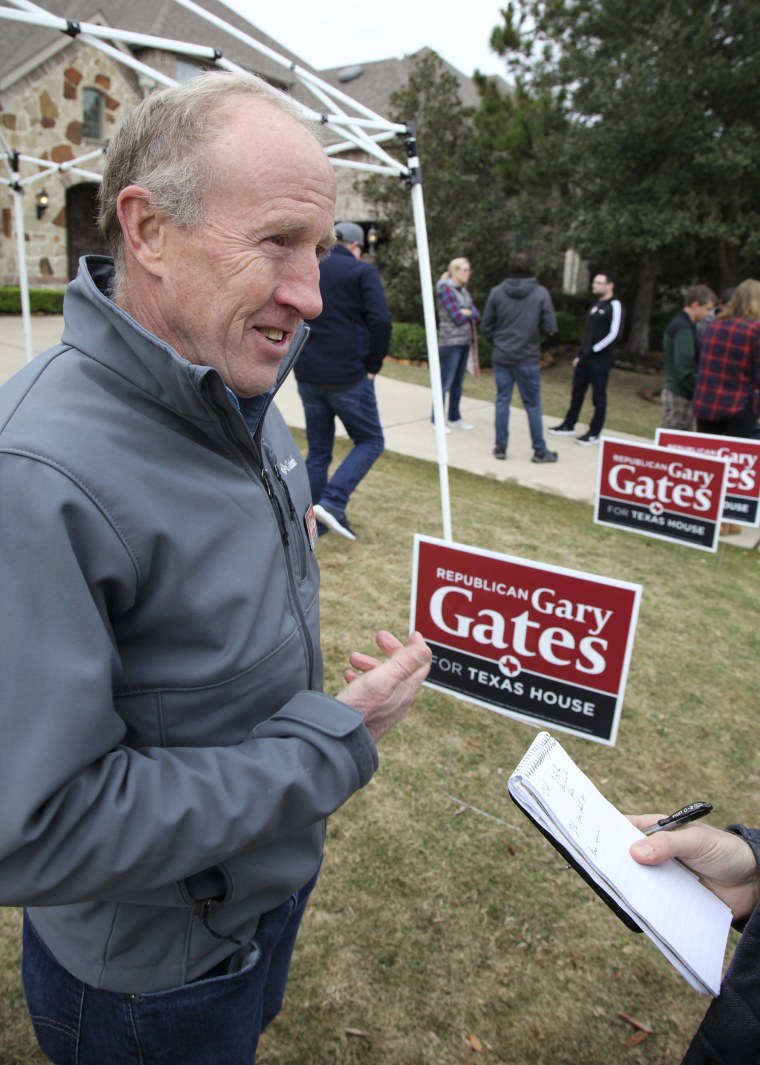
(548, 323)
(616, 325)
(730, 1031)
(378, 318)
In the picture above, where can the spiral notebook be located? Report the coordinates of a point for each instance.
(667, 902)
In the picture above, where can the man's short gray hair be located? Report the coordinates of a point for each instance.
(163, 146)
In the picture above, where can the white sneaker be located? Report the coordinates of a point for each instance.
(461, 424)
(332, 520)
(445, 428)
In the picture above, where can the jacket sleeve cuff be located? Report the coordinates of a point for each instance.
(323, 721)
(751, 837)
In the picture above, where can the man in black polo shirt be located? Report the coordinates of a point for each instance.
(592, 366)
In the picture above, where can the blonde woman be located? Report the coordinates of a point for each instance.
(457, 315)
(728, 378)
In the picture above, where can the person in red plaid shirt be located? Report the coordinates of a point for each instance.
(727, 395)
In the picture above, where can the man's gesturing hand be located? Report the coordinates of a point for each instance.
(384, 691)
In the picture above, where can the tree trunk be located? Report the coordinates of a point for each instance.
(637, 345)
(728, 259)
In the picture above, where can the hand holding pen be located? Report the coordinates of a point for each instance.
(724, 862)
(681, 817)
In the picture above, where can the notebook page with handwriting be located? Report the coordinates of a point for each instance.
(681, 916)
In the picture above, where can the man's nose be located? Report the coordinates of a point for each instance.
(299, 288)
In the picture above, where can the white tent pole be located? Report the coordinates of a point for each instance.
(125, 58)
(23, 276)
(361, 139)
(54, 171)
(369, 167)
(346, 146)
(305, 76)
(61, 166)
(431, 334)
(94, 29)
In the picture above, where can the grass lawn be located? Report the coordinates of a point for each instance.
(438, 936)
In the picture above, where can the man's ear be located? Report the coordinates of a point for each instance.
(143, 228)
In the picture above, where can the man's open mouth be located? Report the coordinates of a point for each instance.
(275, 335)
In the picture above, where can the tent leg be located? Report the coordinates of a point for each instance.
(434, 362)
(23, 276)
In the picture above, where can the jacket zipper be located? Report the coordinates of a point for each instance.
(292, 514)
(254, 455)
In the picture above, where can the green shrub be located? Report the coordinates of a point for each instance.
(576, 303)
(570, 327)
(408, 342)
(41, 300)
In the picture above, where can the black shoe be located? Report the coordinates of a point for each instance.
(322, 530)
(563, 430)
(499, 452)
(339, 523)
(544, 456)
(587, 440)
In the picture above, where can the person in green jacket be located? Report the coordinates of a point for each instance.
(680, 347)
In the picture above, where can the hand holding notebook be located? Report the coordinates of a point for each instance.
(667, 902)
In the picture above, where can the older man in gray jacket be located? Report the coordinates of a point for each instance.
(169, 756)
(517, 312)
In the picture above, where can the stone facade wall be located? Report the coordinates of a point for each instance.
(41, 116)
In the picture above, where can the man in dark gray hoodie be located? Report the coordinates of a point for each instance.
(517, 312)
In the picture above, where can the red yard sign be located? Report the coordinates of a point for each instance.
(535, 642)
(658, 492)
(742, 502)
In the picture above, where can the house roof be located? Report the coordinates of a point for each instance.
(22, 46)
(377, 81)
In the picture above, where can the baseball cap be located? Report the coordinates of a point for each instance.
(350, 232)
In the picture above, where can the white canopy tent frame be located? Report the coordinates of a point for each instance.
(357, 129)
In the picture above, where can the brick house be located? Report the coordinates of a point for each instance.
(62, 99)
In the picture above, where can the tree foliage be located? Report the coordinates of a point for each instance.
(630, 134)
(657, 155)
(466, 212)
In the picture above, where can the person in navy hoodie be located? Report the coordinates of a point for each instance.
(336, 376)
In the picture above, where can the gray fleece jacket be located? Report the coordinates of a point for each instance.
(516, 313)
(168, 753)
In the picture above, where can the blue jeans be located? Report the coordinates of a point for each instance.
(357, 409)
(594, 372)
(528, 381)
(212, 1020)
(453, 369)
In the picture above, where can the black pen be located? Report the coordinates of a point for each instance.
(688, 813)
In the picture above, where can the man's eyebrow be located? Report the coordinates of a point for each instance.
(287, 224)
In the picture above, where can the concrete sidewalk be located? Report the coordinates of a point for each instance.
(405, 414)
